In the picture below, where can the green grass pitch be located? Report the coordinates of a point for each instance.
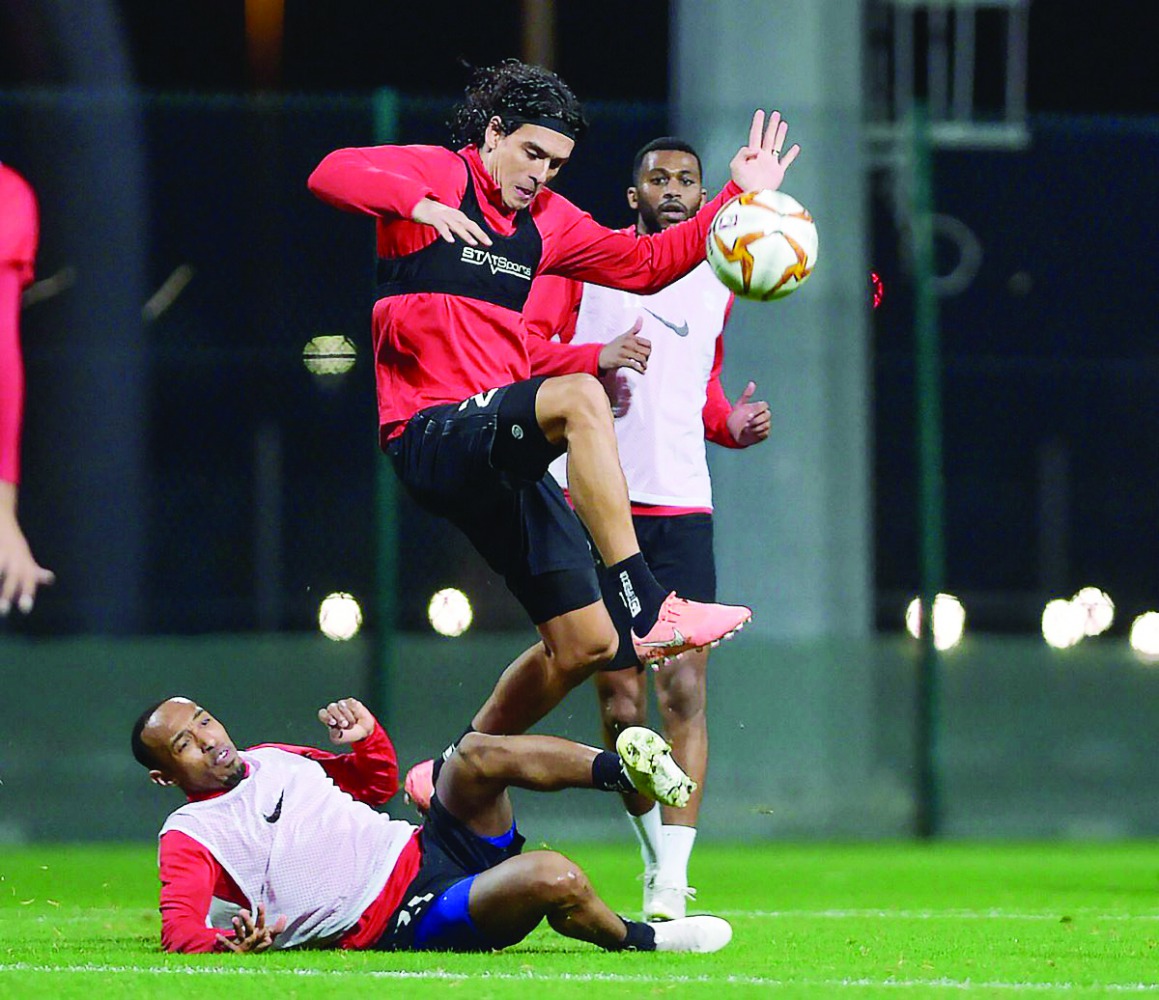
(818, 920)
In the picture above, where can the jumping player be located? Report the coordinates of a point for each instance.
(278, 846)
(662, 420)
(470, 433)
(20, 575)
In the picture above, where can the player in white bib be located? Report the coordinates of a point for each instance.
(278, 846)
(666, 402)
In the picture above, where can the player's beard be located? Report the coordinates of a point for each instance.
(656, 220)
(233, 779)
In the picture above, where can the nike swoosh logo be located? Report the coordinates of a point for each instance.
(676, 640)
(277, 813)
(680, 331)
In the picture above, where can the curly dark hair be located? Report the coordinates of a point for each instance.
(519, 94)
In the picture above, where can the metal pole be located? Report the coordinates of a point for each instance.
(930, 483)
(382, 657)
(963, 100)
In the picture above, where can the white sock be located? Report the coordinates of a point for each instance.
(648, 829)
(675, 850)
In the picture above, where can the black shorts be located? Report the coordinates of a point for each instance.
(678, 550)
(482, 464)
(452, 853)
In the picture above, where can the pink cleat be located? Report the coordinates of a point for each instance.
(684, 625)
(419, 786)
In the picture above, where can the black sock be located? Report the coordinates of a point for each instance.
(625, 650)
(608, 774)
(639, 591)
(641, 937)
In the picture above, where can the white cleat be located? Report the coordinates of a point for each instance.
(698, 934)
(648, 760)
(665, 900)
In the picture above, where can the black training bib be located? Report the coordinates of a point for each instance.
(500, 274)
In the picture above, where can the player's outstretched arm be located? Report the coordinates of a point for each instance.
(348, 720)
(761, 164)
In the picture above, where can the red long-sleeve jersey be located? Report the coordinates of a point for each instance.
(191, 876)
(19, 232)
(435, 348)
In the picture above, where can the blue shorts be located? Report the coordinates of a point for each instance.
(482, 464)
(434, 914)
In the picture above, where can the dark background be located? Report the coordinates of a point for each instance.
(1084, 58)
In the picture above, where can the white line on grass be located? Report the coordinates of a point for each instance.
(1077, 913)
(964, 985)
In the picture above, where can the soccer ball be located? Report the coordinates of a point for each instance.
(762, 245)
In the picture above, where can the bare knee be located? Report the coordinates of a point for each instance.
(584, 653)
(619, 701)
(478, 754)
(680, 690)
(558, 882)
(583, 403)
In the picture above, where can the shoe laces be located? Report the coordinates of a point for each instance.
(672, 609)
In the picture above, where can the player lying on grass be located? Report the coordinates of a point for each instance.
(278, 846)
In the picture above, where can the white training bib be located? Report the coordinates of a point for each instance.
(659, 422)
(295, 842)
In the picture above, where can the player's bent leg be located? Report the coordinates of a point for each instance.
(508, 902)
(472, 783)
(575, 645)
(501, 906)
(574, 409)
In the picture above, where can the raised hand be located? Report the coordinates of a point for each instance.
(347, 719)
(749, 423)
(761, 165)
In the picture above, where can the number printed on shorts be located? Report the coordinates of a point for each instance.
(480, 399)
(406, 913)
